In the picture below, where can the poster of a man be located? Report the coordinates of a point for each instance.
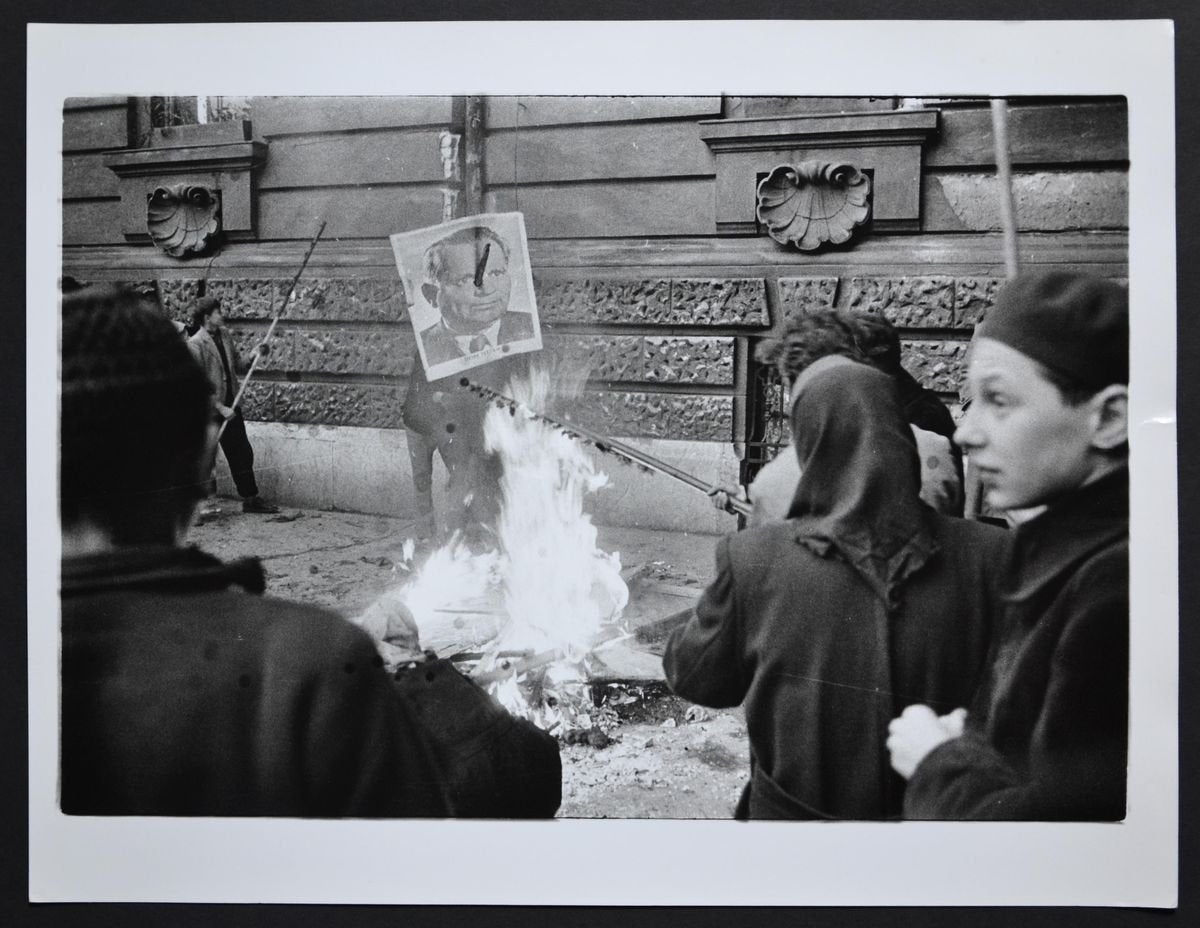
(470, 291)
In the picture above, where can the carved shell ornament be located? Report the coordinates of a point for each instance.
(813, 202)
(183, 218)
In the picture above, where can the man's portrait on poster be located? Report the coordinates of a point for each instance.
(470, 291)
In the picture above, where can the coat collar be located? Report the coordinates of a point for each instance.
(205, 339)
(160, 567)
(1054, 543)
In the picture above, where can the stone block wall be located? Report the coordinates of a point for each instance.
(343, 350)
(660, 357)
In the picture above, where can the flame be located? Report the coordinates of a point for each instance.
(451, 583)
(560, 590)
(560, 594)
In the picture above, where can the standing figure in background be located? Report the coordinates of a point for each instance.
(1047, 736)
(218, 356)
(933, 426)
(467, 281)
(442, 415)
(805, 339)
(824, 624)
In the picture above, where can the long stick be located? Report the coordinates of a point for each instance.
(608, 445)
(1004, 174)
(973, 491)
(271, 329)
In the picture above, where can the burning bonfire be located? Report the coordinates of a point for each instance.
(526, 619)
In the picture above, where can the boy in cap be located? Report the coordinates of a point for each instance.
(1046, 737)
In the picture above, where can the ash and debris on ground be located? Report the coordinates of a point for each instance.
(662, 758)
(646, 754)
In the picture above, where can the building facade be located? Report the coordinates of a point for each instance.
(667, 235)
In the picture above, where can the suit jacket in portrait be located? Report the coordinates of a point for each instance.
(441, 346)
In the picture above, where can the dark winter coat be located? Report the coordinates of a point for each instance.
(203, 346)
(827, 625)
(183, 696)
(452, 417)
(1047, 738)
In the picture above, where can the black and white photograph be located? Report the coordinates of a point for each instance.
(542, 466)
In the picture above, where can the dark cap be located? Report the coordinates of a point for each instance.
(1077, 325)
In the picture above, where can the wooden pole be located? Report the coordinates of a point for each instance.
(473, 157)
(271, 329)
(1004, 174)
(973, 491)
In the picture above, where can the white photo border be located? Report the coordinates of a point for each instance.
(242, 860)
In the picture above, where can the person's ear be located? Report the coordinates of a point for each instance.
(430, 292)
(1110, 417)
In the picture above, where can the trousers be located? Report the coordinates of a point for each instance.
(235, 445)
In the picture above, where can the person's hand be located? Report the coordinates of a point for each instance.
(953, 722)
(916, 732)
(226, 412)
(720, 496)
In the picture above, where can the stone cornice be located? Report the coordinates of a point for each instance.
(218, 157)
(900, 127)
(189, 159)
(887, 145)
(957, 253)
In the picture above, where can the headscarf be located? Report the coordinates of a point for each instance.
(860, 482)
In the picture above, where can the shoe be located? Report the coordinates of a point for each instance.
(259, 505)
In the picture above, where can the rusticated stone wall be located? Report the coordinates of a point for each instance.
(660, 355)
(935, 315)
(685, 301)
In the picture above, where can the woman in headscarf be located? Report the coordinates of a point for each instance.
(826, 625)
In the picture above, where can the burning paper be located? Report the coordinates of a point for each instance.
(540, 604)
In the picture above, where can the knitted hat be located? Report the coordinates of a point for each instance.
(1077, 325)
(135, 405)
